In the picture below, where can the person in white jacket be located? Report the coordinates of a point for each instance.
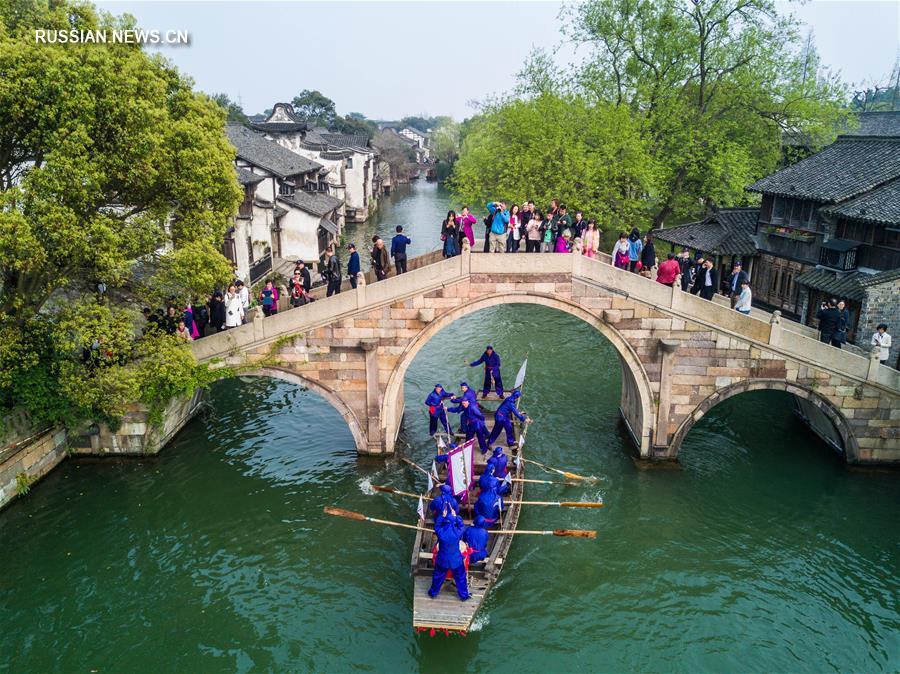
(234, 308)
(882, 340)
(244, 294)
(745, 299)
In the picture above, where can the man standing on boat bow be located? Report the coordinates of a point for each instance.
(491, 361)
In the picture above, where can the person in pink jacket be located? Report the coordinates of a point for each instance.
(590, 239)
(464, 223)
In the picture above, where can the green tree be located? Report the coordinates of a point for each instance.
(714, 83)
(445, 141)
(590, 156)
(315, 107)
(233, 111)
(113, 171)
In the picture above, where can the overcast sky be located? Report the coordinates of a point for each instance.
(391, 59)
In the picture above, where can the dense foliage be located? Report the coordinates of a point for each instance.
(116, 187)
(711, 85)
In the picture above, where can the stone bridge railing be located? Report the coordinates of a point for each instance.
(430, 271)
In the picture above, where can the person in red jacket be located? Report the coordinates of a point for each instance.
(668, 271)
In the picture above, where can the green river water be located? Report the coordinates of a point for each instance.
(760, 552)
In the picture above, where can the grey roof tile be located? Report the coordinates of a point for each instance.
(846, 168)
(316, 203)
(880, 206)
(246, 177)
(728, 232)
(267, 154)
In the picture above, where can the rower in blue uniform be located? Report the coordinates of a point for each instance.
(499, 461)
(472, 418)
(445, 499)
(469, 394)
(503, 419)
(491, 361)
(476, 537)
(436, 411)
(489, 499)
(449, 530)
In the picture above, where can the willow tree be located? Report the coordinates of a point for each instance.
(116, 181)
(590, 156)
(714, 84)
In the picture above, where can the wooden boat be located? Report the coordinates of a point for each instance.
(446, 613)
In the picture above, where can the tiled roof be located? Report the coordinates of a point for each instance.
(267, 154)
(728, 232)
(850, 286)
(346, 139)
(877, 124)
(316, 203)
(279, 127)
(881, 206)
(846, 168)
(246, 177)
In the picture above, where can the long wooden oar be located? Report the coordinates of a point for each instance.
(350, 515)
(418, 467)
(564, 473)
(564, 504)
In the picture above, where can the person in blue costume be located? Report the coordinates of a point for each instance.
(488, 503)
(468, 394)
(445, 499)
(491, 361)
(503, 419)
(436, 411)
(476, 537)
(499, 461)
(472, 418)
(449, 530)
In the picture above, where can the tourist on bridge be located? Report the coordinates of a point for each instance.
(503, 419)
(498, 220)
(436, 411)
(217, 314)
(244, 294)
(620, 251)
(450, 235)
(745, 299)
(449, 530)
(735, 282)
(514, 230)
(648, 256)
(467, 394)
(476, 537)
(697, 272)
(708, 280)
(559, 225)
(299, 295)
(472, 418)
(579, 226)
(635, 248)
(491, 361)
(464, 224)
(332, 272)
(590, 239)
(684, 261)
(381, 263)
(268, 298)
(398, 249)
(534, 230)
(829, 318)
(499, 461)
(304, 274)
(882, 340)
(353, 266)
(668, 271)
(234, 308)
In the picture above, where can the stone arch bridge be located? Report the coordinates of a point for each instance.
(680, 355)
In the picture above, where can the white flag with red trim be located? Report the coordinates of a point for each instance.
(421, 509)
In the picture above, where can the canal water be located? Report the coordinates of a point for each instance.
(759, 552)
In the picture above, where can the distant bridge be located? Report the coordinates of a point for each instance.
(680, 355)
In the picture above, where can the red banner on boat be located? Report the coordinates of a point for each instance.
(461, 464)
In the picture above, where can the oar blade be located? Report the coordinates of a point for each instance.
(575, 533)
(386, 490)
(340, 512)
(581, 504)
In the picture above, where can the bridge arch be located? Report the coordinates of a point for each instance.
(636, 406)
(284, 374)
(834, 415)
